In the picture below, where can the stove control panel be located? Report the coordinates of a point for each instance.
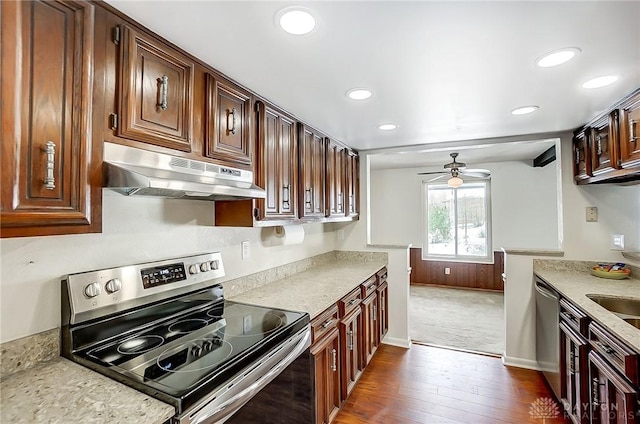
(97, 293)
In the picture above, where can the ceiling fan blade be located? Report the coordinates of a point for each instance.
(436, 178)
(432, 173)
(478, 173)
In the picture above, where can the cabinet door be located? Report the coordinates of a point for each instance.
(574, 374)
(383, 309)
(228, 135)
(630, 135)
(369, 329)
(312, 172)
(350, 328)
(277, 163)
(47, 62)
(581, 157)
(326, 356)
(603, 139)
(156, 92)
(335, 179)
(613, 399)
(353, 183)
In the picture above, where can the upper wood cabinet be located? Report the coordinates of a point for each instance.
(312, 175)
(47, 81)
(581, 157)
(277, 167)
(336, 170)
(629, 123)
(155, 96)
(352, 176)
(603, 138)
(228, 134)
(607, 149)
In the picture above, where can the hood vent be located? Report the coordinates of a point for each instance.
(131, 171)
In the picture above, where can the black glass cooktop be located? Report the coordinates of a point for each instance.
(191, 351)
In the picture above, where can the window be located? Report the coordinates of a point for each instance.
(457, 221)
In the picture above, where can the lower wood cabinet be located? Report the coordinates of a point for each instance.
(370, 331)
(350, 329)
(613, 399)
(574, 374)
(327, 365)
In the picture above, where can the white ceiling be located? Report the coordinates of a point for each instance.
(442, 70)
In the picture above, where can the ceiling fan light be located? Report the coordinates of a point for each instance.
(455, 182)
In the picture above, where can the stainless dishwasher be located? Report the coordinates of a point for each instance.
(548, 334)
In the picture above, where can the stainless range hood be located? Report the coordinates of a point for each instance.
(133, 171)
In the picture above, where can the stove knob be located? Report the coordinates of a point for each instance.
(204, 266)
(193, 269)
(196, 351)
(207, 345)
(113, 286)
(92, 290)
(213, 264)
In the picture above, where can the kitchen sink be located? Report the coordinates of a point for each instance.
(619, 305)
(633, 321)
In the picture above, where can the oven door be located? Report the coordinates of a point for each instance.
(221, 404)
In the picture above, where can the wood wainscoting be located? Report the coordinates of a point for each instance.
(463, 274)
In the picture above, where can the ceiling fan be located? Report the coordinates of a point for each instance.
(456, 169)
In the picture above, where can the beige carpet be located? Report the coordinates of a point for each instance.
(462, 319)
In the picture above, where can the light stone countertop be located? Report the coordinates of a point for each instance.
(574, 281)
(64, 392)
(314, 290)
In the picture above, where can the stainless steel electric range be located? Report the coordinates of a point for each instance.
(165, 329)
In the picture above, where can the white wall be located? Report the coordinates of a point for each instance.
(618, 212)
(135, 229)
(524, 205)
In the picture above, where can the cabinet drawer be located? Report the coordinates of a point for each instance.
(324, 323)
(368, 286)
(382, 275)
(349, 302)
(574, 317)
(617, 353)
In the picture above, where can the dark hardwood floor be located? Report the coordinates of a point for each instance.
(430, 385)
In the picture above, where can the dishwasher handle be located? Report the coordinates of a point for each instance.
(546, 292)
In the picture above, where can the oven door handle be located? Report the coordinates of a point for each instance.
(225, 410)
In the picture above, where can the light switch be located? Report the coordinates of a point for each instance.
(246, 251)
(447, 271)
(592, 214)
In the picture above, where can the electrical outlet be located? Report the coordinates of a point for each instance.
(447, 271)
(617, 242)
(592, 214)
(246, 251)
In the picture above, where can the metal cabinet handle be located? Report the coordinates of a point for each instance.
(307, 197)
(595, 384)
(231, 129)
(353, 302)
(632, 131)
(606, 348)
(577, 156)
(164, 89)
(334, 360)
(339, 201)
(350, 339)
(599, 145)
(285, 202)
(375, 313)
(49, 179)
(327, 323)
(351, 205)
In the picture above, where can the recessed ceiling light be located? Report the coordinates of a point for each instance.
(524, 110)
(359, 93)
(600, 81)
(387, 127)
(296, 20)
(557, 57)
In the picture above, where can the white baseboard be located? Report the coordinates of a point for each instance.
(394, 341)
(520, 363)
